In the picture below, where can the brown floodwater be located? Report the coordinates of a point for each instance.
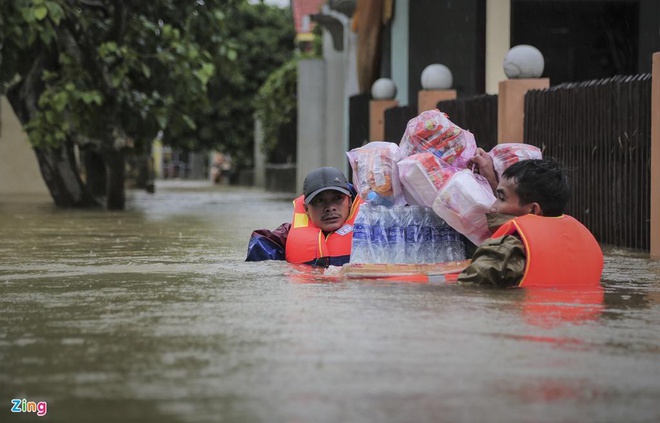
(151, 315)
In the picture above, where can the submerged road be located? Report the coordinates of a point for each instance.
(151, 315)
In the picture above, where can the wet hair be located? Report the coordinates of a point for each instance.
(541, 181)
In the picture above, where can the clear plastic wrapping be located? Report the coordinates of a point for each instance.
(432, 131)
(422, 175)
(375, 171)
(504, 155)
(463, 202)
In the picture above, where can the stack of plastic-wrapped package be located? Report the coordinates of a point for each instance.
(420, 195)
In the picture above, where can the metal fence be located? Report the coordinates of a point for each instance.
(477, 114)
(396, 120)
(601, 132)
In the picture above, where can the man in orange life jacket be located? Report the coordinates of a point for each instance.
(321, 230)
(534, 243)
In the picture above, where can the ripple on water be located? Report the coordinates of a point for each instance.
(152, 315)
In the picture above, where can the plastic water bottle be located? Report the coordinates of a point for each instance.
(378, 200)
(425, 251)
(413, 233)
(457, 248)
(396, 235)
(439, 247)
(379, 235)
(452, 244)
(360, 251)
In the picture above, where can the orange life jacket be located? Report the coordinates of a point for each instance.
(307, 244)
(560, 251)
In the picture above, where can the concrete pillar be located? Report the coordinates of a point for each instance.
(498, 36)
(336, 133)
(511, 107)
(197, 163)
(312, 119)
(399, 49)
(377, 118)
(259, 157)
(157, 157)
(428, 99)
(655, 159)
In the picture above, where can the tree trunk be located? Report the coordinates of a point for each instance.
(144, 174)
(60, 172)
(115, 164)
(95, 171)
(58, 164)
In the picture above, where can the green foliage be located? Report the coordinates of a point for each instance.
(276, 104)
(97, 70)
(262, 39)
(92, 71)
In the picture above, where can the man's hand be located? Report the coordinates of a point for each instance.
(482, 164)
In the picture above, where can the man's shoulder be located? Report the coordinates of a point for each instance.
(265, 244)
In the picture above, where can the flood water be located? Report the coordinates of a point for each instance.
(151, 315)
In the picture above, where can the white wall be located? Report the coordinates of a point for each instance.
(19, 169)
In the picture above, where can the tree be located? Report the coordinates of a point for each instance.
(263, 38)
(277, 108)
(107, 76)
(277, 105)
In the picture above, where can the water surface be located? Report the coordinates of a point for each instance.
(151, 315)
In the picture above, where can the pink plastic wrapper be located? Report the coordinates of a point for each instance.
(432, 131)
(375, 170)
(422, 175)
(463, 202)
(504, 155)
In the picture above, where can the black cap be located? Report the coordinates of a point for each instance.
(323, 179)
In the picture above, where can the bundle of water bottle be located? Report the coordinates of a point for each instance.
(403, 234)
(421, 199)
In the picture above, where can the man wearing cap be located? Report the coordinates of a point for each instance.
(321, 230)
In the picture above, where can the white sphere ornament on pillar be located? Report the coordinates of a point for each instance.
(436, 77)
(383, 89)
(523, 61)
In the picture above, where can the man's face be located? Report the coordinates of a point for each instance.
(329, 210)
(507, 201)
